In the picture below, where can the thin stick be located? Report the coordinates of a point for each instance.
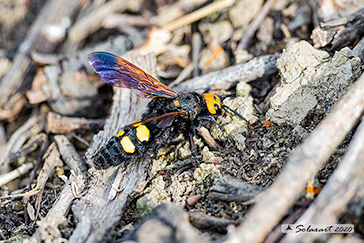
(301, 166)
(196, 50)
(56, 215)
(15, 173)
(29, 147)
(70, 155)
(198, 14)
(256, 68)
(253, 26)
(59, 124)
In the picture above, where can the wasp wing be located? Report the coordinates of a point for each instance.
(120, 73)
(164, 117)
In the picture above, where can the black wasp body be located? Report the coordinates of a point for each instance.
(168, 114)
(138, 138)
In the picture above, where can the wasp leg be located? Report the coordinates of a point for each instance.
(209, 119)
(196, 163)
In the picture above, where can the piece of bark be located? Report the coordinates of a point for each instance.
(61, 124)
(101, 207)
(41, 37)
(256, 68)
(339, 33)
(339, 190)
(36, 94)
(302, 165)
(166, 223)
(207, 222)
(228, 189)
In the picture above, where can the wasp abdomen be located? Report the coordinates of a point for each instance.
(123, 147)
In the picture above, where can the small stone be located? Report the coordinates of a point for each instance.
(310, 78)
(243, 89)
(192, 200)
(206, 170)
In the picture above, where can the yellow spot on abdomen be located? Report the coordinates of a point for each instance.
(142, 133)
(127, 145)
(120, 134)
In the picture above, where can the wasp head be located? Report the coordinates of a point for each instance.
(213, 103)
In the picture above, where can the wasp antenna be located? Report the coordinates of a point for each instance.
(237, 114)
(227, 96)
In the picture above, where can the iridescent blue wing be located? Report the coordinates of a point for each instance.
(120, 73)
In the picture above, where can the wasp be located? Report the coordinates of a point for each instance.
(168, 113)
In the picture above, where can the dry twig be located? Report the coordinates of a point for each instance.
(229, 189)
(198, 14)
(256, 68)
(61, 124)
(15, 173)
(203, 132)
(252, 28)
(70, 155)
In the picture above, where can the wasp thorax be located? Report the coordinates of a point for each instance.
(213, 103)
(190, 103)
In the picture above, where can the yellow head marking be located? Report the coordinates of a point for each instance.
(213, 103)
(127, 145)
(142, 133)
(120, 134)
(176, 103)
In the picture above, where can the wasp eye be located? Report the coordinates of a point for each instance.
(216, 107)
